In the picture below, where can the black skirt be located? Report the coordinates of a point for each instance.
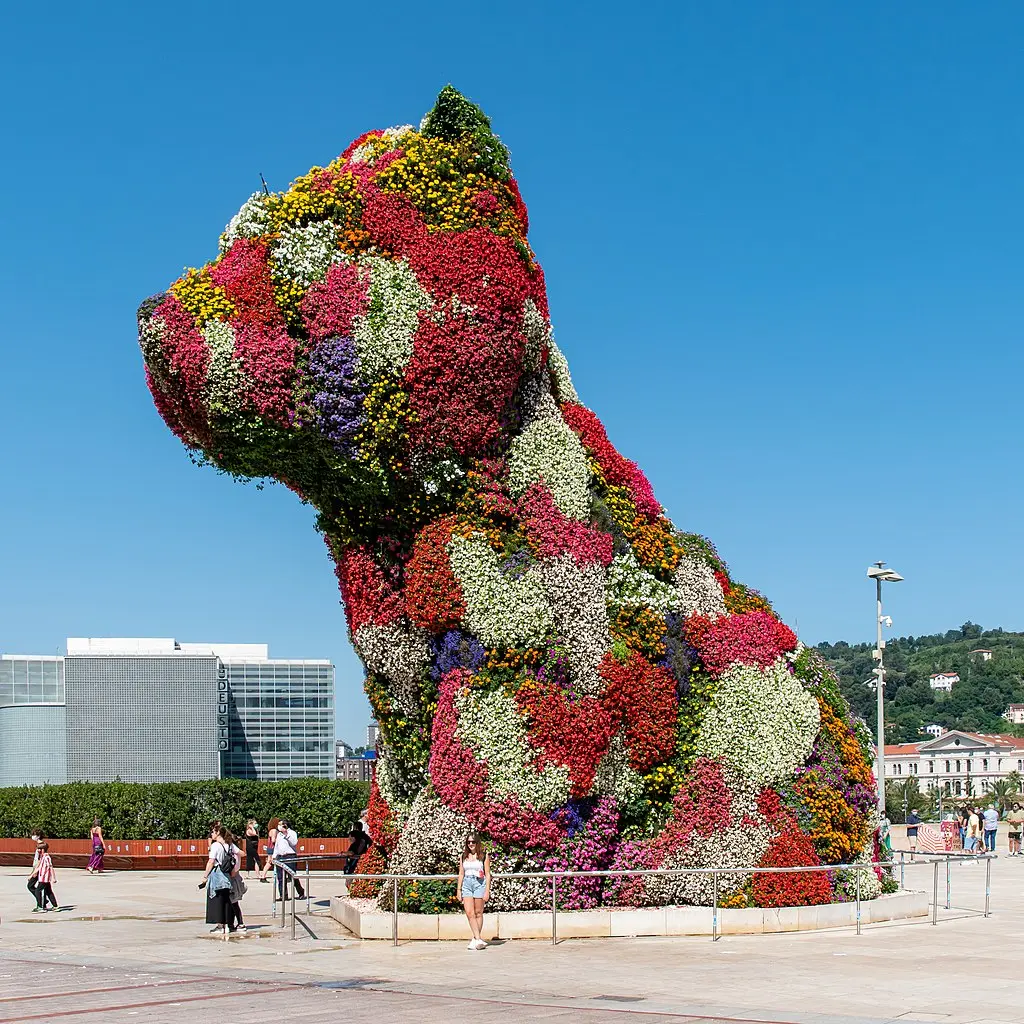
(218, 909)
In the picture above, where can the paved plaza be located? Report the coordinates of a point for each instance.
(132, 945)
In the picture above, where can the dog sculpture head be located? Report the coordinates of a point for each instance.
(550, 660)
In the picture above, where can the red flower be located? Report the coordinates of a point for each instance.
(551, 533)
(756, 638)
(329, 305)
(369, 597)
(642, 697)
(433, 596)
(790, 849)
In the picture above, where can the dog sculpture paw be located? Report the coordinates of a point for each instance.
(550, 660)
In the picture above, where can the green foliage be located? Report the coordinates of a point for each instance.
(454, 117)
(976, 703)
(179, 810)
(428, 897)
(903, 797)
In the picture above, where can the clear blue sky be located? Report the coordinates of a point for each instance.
(783, 250)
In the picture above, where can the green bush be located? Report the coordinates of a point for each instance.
(180, 810)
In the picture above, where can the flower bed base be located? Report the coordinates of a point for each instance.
(365, 920)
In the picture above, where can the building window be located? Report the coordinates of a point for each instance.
(957, 768)
(984, 764)
(959, 789)
(931, 767)
(947, 767)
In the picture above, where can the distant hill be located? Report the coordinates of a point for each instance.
(976, 703)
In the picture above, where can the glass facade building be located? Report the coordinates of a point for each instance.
(154, 710)
(33, 725)
(280, 718)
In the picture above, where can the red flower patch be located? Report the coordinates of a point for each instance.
(551, 533)
(756, 638)
(642, 697)
(369, 598)
(432, 593)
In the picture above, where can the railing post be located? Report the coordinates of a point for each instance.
(394, 911)
(947, 882)
(294, 902)
(282, 887)
(308, 904)
(714, 908)
(935, 892)
(858, 902)
(903, 858)
(988, 883)
(554, 910)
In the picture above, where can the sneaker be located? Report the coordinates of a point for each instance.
(481, 944)
(37, 910)
(241, 929)
(472, 945)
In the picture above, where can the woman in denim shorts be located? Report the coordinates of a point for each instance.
(475, 885)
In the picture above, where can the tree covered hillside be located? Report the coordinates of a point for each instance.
(977, 701)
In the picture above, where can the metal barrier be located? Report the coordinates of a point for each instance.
(288, 874)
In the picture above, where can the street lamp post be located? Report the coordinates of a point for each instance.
(879, 573)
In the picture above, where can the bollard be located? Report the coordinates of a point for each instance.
(554, 911)
(858, 903)
(903, 858)
(935, 892)
(714, 910)
(948, 862)
(394, 913)
(988, 883)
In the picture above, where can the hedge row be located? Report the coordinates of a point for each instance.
(180, 810)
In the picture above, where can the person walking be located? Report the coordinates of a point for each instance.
(973, 832)
(238, 887)
(45, 876)
(252, 846)
(963, 815)
(33, 880)
(217, 882)
(268, 862)
(912, 822)
(991, 827)
(1016, 822)
(358, 843)
(95, 865)
(286, 852)
(475, 886)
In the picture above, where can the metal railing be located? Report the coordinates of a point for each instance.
(289, 875)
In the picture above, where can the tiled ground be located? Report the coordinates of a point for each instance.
(133, 946)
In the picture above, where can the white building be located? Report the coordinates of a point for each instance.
(983, 653)
(372, 732)
(1015, 714)
(935, 730)
(959, 763)
(943, 681)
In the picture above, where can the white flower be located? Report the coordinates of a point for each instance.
(401, 654)
(630, 586)
(699, 592)
(559, 367)
(549, 451)
(384, 335)
(224, 376)
(500, 609)
(616, 777)
(305, 254)
(431, 839)
(576, 595)
(366, 152)
(391, 783)
(760, 722)
(491, 725)
(251, 221)
(151, 341)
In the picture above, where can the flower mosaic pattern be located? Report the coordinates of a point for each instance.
(550, 659)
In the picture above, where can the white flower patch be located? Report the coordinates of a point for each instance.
(224, 375)
(305, 254)
(616, 777)
(389, 782)
(576, 595)
(399, 653)
(432, 838)
(760, 722)
(251, 221)
(536, 399)
(366, 153)
(630, 586)
(490, 724)
(699, 592)
(537, 332)
(549, 451)
(737, 846)
(384, 334)
(151, 341)
(559, 367)
(500, 609)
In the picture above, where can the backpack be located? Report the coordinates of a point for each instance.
(227, 865)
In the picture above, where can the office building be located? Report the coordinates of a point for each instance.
(357, 768)
(155, 710)
(372, 732)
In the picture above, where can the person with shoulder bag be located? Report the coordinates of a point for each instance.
(238, 886)
(217, 882)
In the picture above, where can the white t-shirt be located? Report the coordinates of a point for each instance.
(991, 820)
(473, 867)
(218, 851)
(286, 842)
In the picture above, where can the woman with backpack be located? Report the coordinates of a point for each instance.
(217, 881)
(238, 886)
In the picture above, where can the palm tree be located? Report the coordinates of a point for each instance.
(1002, 792)
(1015, 780)
(902, 797)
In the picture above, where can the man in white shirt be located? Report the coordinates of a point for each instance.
(991, 817)
(285, 853)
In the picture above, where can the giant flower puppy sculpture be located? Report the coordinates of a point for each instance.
(551, 661)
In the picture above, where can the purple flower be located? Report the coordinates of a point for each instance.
(335, 393)
(455, 650)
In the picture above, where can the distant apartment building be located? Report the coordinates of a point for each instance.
(943, 682)
(372, 732)
(1015, 714)
(156, 710)
(935, 730)
(357, 769)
